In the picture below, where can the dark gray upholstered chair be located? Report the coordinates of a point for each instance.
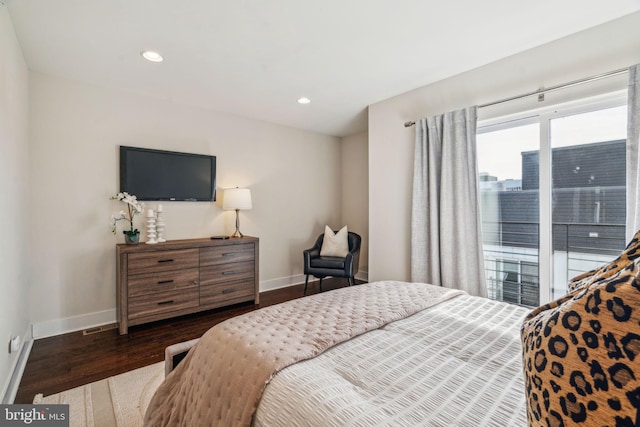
(325, 266)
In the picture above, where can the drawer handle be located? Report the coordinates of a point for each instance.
(226, 273)
(162, 282)
(166, 302)
(228, 291)
(228, 254)
(165, 260)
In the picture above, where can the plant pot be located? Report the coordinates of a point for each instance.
(132, 239)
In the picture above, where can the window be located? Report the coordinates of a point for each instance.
(552, 188)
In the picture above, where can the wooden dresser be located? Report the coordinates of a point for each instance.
(179, 277)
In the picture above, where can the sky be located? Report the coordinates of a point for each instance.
(499, 151)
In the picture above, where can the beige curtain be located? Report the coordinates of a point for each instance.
(446, 241)
(633, 160)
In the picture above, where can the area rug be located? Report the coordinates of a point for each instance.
(118, 401)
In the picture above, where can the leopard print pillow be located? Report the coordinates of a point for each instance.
(581, 353)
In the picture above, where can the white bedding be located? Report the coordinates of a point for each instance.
(455, 364)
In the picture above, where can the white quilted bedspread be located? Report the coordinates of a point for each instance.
(454, 364)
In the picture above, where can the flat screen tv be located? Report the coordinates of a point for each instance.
(167, 175)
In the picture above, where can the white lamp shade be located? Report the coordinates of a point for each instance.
(236, 198)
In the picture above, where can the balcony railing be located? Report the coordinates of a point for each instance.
(511, 256)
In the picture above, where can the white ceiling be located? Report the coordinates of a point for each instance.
(255, 58)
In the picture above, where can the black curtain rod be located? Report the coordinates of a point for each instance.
(545, 90)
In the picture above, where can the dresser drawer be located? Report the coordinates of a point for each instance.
(225, 254)
(162, 302)
(236, 271)
(148, 283)
(226, 293)
(151, 262)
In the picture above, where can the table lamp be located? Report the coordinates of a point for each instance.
(236, 199)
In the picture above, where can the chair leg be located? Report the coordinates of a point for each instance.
(306, 283)
(351, 283)
(321, 284)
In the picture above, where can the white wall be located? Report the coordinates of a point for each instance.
(597, 50)
(14, 211)
(75, 133)
(355, 196)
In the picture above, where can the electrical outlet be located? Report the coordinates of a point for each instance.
(14, 344)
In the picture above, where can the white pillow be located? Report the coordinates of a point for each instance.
(335, 244)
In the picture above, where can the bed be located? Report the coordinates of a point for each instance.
(383, 353)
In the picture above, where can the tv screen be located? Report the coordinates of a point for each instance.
(167, 175)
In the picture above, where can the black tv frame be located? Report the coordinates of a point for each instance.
(124, 150)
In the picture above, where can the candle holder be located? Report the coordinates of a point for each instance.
(160, 225)
(151, 228)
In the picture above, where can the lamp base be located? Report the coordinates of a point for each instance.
(237, 234)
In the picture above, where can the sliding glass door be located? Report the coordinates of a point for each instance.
(510, 204)
(552, 191)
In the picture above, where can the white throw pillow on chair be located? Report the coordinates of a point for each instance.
(335, 244)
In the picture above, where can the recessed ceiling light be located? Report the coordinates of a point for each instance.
(304, 100)
(152, 56)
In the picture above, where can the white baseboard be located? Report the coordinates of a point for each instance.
(17, 369)
(282, 282)
(50, 328)
(362, 275)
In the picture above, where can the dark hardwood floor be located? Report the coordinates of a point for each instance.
(70, 360)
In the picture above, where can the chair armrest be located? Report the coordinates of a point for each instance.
(307, 255)
(313, 252)
(348, 263)
(351, 262)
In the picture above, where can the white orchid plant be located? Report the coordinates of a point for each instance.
(133, 207)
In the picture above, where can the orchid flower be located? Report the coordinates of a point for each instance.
(133, 207)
